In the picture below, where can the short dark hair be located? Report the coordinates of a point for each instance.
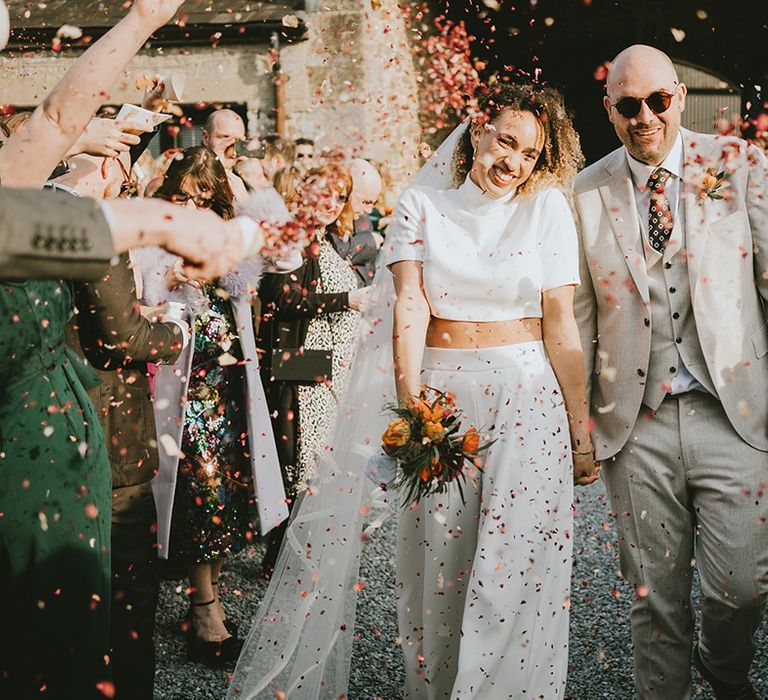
(302, 141)
(276, 145)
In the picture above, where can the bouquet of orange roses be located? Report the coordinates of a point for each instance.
(426, 441)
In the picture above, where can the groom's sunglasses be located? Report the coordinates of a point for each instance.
(658, 102)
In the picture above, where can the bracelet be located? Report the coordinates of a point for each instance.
(585, 452)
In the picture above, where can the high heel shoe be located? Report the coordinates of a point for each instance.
(231, 626)
(229, 623)
(213, 654)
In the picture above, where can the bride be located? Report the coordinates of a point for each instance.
(474, 296)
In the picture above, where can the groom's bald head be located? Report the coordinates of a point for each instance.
(638, 72)
(638, 60)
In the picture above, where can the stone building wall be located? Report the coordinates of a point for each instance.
(224, 74)
(353, 83)
(350, 85)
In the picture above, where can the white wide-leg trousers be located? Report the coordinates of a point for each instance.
(483, 588)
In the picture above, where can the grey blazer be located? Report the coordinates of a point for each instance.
(52, 234)
(727, 249)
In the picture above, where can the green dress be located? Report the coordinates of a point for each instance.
(55, 490)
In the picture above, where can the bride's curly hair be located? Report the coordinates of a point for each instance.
(561, 157)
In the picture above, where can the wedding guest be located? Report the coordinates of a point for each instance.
(674, 272)
(118, 341)
(55, 490)
(360, 246)
(156, 174)
(251, 172)
(102, 138)
(316, 308)
(286, 181)
(211, 404)
(109, 330)
(223, 130)
(385, 204)
(278, 155)
(303, 154)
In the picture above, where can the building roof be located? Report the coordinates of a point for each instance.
(35, 24)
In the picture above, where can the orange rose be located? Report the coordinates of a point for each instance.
(471, 441)
(436, 413)
(432, 429)
(422, 409)
(397, 434)
(710, 180)
(425, 474)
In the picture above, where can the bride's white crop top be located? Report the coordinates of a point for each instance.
(485, 259)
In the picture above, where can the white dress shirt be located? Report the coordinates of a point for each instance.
(683, 380)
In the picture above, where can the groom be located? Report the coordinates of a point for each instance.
(674, 272)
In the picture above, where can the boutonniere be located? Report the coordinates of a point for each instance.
(712, 185)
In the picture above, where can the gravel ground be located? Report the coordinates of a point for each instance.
(600, 657)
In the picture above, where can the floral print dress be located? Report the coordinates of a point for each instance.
(337, 332)
(211, 511)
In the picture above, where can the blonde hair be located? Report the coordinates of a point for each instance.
(328, 176)
(286, 181)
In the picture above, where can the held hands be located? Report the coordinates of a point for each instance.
(586, 470)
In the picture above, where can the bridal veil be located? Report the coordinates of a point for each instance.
(300, 644)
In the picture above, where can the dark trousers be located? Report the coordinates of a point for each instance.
(135, 590)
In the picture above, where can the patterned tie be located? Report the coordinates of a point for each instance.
(659, 214)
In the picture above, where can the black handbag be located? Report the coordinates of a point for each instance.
(301, 366)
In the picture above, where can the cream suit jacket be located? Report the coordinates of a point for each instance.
(726, 243)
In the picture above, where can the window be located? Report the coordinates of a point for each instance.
(713, 104)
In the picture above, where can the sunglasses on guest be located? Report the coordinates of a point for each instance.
(658, 102)
(200, 201)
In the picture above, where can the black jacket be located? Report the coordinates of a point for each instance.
(288, 303)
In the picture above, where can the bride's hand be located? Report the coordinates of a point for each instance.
(586, 470)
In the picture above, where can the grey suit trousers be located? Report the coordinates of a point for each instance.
(687, 492)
